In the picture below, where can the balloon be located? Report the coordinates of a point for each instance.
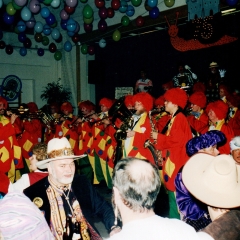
(88, 27)
(45, 12)
(99, 3)
(52, 47)
(38, 28)
(8, 19)
(55, 3)
(50, 20)
(1, 34)
(23, 51)
(232, 3)
(125, 21)
(130, 11)
(16, 30)
(55, 33)
(46, 30)
(116, 35)
(34, 6)
(47, 2)
(123, 6)
(26, 14)
(91, 50)
(64, 15)
(102, 12)
(22, 37)
(87, 11)
(15, 5)
(102, 43)
(102, 25)
(77, 27)
(20, 3)
(76, 38)
(45, 40)
(40, 52)
(38, 37)
(88, 20)
(71, 25)
(27, 43)
(115, 4)
(2, 44)
(64, 24)
(110, 12)
(154, 13)
(71, 3)
(84, 49)
(69, 10)
(10, 9)
(67, 46)
(139, 21)
(21, 26)
(31, 23)
(83, 1)
(53, 25)
(59, 39)
(57, 55)
(9, 49)
(136, 3)
(147, 7)
(152, 3)
(70, 33)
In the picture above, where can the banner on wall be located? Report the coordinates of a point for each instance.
(123, 91)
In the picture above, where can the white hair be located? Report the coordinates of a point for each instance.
(235, 143)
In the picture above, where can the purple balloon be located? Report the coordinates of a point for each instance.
(102, 25)
(40, 52)
(50, 20)
(71, 3)
(103, 13)
(22, 37)
(9, 49)
(35, 6)
(8, 19)
(64, 15)
(154, 13)
(31, 23)
(20, 3)
(91, 50)
(27, 43)
(88, 27)
(64, 24)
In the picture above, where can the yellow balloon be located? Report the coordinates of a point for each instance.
(169, 3)
(10, 9)
(116, 35)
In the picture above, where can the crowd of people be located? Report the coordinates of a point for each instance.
(186, 141)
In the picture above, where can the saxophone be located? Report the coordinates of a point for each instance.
(157, 154)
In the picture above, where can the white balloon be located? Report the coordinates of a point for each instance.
(102, 43)
(55, 3)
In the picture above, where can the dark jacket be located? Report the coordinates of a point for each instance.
(90, 201)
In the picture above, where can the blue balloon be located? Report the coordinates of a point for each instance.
(8, 19)
(26, 14)
(50, 20)
(70, 34)
(38, 27)
(21, 26)
(64, 24)
(152, 3)
(130, 11)
(55, 34)
(123, 6)
(45, 12)
(232, 3)
(23, 51)
(154, 13)
(46, 30)
(67, 46)
(22, 37)
(71, 25)
(40, 52)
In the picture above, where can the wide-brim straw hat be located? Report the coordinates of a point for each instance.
(58, 149)
(213, 65)
(213, 180)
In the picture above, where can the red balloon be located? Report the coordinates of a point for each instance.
(91, 50)
(103, 13)
(88, 27)
(9, 49)
(76, 38)
(27, 43)
(99, 3)
(2, 44)
(139, 21)
(115, 4)
(69, 10)
(52, 47)
(110, 12)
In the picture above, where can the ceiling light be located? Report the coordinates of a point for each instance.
(228, 10)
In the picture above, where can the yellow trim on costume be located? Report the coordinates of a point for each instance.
(27, 145)
(219, 124)
(169, 167)
(5, 154)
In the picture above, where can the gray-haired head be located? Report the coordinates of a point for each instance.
(235, 143)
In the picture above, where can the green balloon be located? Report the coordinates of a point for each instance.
(16, 6)
(116, 35)
(16, 30)
(57, 55)
(47, 2)
(125, 21)
(45, 40)
(136, 3)
(10, 9)
(169, 3)
(54, 25)
(87, 11)
(88, 20)
(83, 1)
(84, 49)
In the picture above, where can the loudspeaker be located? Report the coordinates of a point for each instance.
(96, 72)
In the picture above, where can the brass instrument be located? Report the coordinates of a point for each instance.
(157, 154)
